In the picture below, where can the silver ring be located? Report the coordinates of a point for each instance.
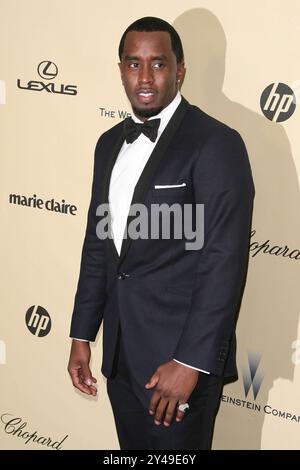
(183, 407)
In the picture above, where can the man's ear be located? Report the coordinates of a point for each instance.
(180, 74)
(180, 71)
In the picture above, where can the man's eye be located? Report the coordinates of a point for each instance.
(133, 65)
(158, 65)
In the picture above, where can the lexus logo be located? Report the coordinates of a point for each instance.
(47, 70)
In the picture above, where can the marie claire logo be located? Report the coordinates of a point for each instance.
(278, 102)
(18, 428)
(36, 202)
(38, 320)
(47, 70)
(252, 377)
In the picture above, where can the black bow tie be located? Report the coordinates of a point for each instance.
(134, 129)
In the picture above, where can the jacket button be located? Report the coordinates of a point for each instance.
(122, 276)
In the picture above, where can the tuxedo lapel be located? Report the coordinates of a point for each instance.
(114, 154)
(159, 152)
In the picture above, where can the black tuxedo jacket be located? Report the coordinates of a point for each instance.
(170, 302)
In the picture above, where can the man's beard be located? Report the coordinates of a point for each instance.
(147, 113)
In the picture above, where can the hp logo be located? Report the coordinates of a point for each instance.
(278, 102)
(38, 320)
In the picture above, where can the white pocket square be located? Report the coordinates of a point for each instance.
(166, 186)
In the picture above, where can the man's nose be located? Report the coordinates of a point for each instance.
(146, 74)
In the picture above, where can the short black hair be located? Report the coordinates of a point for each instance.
(150, 24)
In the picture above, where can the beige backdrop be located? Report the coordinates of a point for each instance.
(233, 51)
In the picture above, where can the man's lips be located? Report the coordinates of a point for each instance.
(145, 95)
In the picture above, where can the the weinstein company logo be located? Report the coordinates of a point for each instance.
(48, 70)
(17, 427)
(252, 376)
(278, 102)
(38, 320)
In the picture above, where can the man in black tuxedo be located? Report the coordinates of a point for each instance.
(168, 312)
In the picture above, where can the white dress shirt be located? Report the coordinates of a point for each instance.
(128, 169)
(126, 172)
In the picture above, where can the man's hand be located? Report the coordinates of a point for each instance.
(173, 383)
(79, 369)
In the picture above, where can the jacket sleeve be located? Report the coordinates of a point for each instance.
(222, 181)
(90, 295)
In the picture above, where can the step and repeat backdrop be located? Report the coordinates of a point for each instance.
(59, 90)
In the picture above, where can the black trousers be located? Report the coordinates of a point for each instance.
(135, 426)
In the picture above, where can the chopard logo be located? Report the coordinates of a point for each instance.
(267, 247)
(47, 70)
(18, 428)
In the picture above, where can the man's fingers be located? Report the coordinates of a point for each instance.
(77, 381)
(79, 369)
(87, 381)
(154, 402)
(180, 414)
(86, 375)
(160, 410)
(170, 412)
(153, 381)
(83, 381)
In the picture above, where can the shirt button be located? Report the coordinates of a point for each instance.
(122, 276)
